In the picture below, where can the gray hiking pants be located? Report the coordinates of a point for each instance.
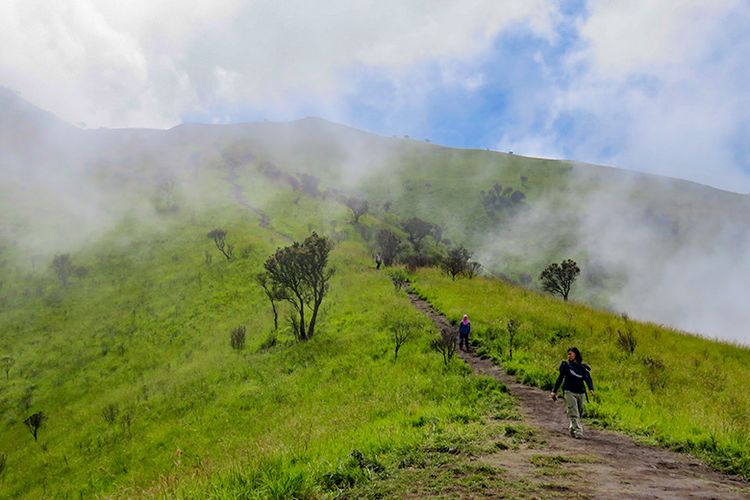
(574, 408)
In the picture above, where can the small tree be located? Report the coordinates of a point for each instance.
(358, 206)
(7, 362)
(35, 422)
(388, 243)
(512, 328)
(445, 344)
(237, 338)
(63, 267)
(219, 236)
(456, 262)
(558, 278)
(401, 330)
(301, 271)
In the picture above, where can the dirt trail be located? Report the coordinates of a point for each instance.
(610, 465)
(241, 199)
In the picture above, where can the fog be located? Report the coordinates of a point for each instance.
(658, 249)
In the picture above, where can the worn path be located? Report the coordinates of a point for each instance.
(605, 464)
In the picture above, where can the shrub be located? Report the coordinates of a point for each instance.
(398, 278)
(110, 412)
(473, 269)
(656, 373)
(626, 339)
(512, 328)
(237, 338)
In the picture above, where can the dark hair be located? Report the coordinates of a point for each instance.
(574, 350)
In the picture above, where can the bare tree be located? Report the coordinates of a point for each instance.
(401, 330)
(273, 292)
(35, 422)
(558, 278)
(445, 344)
(219, 236)
(301, 271)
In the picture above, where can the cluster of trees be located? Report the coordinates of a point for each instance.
(455, 261)
(499, 202)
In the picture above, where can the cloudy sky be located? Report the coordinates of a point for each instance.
(657, 86)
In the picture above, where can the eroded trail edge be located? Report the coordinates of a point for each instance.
(608, 464)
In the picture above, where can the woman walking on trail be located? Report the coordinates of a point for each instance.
(464, 329)
(575, 374)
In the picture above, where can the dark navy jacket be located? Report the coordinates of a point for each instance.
(464, 328)
(574, 374)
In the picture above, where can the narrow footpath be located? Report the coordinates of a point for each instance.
(615, 466)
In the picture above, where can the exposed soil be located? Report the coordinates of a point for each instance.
(603, 464)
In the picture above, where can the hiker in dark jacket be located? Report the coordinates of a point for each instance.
(574, 377)
(464, 329)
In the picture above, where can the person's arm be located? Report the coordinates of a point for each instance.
(558, 382)
(589, 382)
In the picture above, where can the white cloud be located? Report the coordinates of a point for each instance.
(655, 86)
(145, 63)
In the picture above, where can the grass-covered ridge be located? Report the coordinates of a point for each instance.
(674, 389)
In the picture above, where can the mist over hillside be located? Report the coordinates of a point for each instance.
(660, 249)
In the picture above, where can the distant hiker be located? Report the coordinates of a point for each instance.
(378, 260)
(576, 375)
(464, 329)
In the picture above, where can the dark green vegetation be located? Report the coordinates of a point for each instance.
(133, 317)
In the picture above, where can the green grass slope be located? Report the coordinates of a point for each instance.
(674, 389)
(132, 366)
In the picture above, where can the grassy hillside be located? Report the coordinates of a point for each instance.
(132, 366)
(131, 362)
(676, 390)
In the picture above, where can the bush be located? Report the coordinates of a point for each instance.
(656, 373)
(237, 338)
(398, 278)
(110, 412)
(626, 340)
